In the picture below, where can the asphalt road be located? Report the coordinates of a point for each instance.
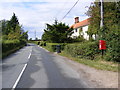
(34, 67)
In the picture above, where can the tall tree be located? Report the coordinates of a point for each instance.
(57, 33)
(13, 22)
(11, 29)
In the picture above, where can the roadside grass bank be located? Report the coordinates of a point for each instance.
(84, 54)
(52, 46)
(32, 41)
(98, 63)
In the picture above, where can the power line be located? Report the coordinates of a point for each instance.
(70, 10)
(59, 12)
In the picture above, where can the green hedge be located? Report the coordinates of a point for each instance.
(52, 46)
(83, 50)
(9, 46)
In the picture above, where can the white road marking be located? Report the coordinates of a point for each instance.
(29, 56)
(14, 86)
(44, 49)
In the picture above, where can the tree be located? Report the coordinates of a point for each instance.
(30, 39)
(111, 29)
(111, 15)
(11, 29)
(12, 24)
(57, 33)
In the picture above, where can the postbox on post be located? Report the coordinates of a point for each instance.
(102, 44)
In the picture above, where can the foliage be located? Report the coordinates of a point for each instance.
(11, 29)
(9, 46)
(111, 29)
(80, 38)
(13, 35)
(98, 64)
(52, 46)
(57, 33)
(83, 50)
(113, 44)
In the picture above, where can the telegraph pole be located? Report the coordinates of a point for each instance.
(35, 34)
(102, 43)
(101, 22)
(101, 12)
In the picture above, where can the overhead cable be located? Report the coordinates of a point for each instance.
(70, 10)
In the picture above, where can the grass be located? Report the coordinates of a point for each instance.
(49, 49)
(35, 42)
(98, 64)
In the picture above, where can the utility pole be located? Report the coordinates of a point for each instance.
(35, 34)
(102, 43)
(101, 12)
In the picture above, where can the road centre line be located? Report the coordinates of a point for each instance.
(14, 86)
(29, 56)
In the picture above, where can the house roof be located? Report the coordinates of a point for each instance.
(81, 24)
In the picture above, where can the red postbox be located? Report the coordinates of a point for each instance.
(102, 44)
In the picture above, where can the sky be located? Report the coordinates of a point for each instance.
(34, 14)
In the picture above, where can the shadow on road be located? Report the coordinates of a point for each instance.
(26, 80)
(56, 78)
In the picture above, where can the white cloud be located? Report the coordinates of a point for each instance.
(33, 14)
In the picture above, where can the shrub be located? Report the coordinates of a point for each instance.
(113, 44)
(9, 46)
(52, 46)
(83, 50)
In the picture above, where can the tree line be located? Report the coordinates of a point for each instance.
(11, 29)
(13, 35)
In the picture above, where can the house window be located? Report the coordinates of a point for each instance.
(75, 30)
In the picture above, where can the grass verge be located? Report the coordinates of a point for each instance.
(98, 63)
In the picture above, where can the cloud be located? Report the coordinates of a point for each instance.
(34, 14)
(56, 0)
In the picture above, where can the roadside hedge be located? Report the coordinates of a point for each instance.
(9, 46)
(52, 46)
(83, 50)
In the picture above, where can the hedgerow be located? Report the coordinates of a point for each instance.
(9, 46)
(83, 50)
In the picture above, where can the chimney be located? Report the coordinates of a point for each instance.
(76, 19)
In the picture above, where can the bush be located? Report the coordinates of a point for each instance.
(83, 50)
(52, 46)
(79, 39)
(113, 44)
(9, 46)
(42, 43)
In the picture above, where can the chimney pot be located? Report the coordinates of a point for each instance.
(76, 19)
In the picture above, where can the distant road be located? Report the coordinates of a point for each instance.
(34, 67)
